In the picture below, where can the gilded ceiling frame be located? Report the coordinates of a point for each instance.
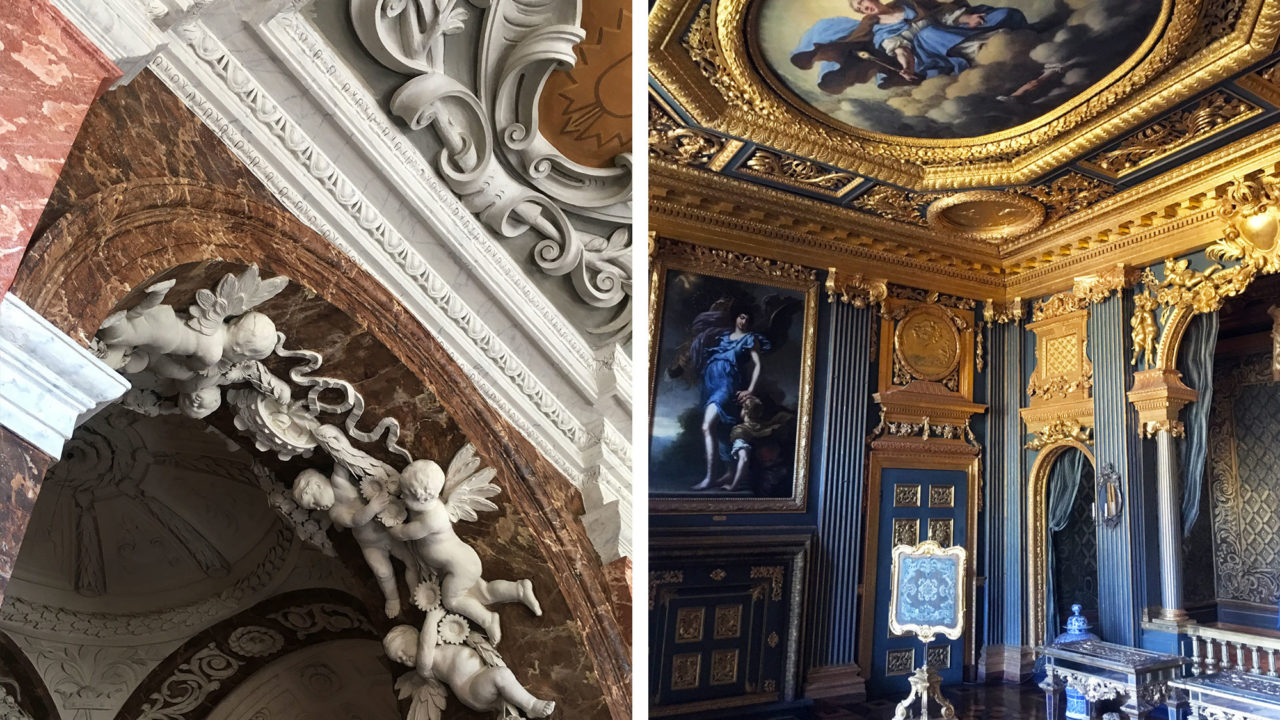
(722, 90)
(1168, 216)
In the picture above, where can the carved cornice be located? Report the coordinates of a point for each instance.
(855, 289)
(730, 263)
(925, 417)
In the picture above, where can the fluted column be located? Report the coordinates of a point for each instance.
(1170, 520)
(833, 641)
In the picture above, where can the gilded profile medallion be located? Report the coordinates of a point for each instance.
(989, 215)
(927, 343)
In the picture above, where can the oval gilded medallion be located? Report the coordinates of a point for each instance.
(927, 343)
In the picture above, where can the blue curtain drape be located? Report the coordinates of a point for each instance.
(1195, 362)
(1064, 483)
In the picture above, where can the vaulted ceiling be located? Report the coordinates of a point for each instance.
(1053, 139)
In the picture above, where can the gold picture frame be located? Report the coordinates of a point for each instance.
(672, 258)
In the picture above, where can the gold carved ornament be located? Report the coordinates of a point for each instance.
(797, 171)
(1059, 430)
(855, 289)
(1250, 211)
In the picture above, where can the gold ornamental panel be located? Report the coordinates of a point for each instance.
(906, 495)
(728, 622)
(724, 667)
(689, 622)
(685, 671)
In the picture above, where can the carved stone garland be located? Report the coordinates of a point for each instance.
(536, 186)
(181, 362)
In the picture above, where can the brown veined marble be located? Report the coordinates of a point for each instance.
(22, 468)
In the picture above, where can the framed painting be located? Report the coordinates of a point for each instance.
(948, 69)
(731, 359)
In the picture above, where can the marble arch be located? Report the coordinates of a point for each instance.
(114, 241)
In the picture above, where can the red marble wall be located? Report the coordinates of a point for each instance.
(50, 74)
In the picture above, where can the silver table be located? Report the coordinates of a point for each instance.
(1135, 680)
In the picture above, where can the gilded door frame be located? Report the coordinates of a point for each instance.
(1034, 619)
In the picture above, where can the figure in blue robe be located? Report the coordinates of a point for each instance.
(900, 45)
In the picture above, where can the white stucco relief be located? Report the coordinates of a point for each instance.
(216, 348)
(268, 83)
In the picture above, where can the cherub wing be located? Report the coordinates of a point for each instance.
(235, 295)
(428, 696)
(467, 487)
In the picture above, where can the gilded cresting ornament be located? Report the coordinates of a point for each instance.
(1250, 211)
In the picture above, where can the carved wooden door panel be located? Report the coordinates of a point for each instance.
(914, 505)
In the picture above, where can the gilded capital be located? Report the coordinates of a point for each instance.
(1159, 395)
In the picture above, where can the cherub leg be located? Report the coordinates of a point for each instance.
(458, 598)
(492, 592)
(510, 690)
(380, 563)
(402, 554)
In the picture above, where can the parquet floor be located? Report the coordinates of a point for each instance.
(972, 702)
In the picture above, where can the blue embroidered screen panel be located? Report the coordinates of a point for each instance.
(928, 591)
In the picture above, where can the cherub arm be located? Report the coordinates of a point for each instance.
(412, 530)
(370, 510)
(427, 641)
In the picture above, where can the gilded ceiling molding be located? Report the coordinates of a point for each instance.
(744, 104)
(1214, 113)
(729, 212)
(1060, 429)
(855, 289)
(671, 141)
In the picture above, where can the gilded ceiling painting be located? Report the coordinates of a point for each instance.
(937, 69)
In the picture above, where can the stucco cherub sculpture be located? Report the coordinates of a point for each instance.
(435, 501)
(444, 653)
(219, 342)
(336, 495)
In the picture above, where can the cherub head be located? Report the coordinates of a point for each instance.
(421, 483)
(201, 403)
(401, 644)
(252, 336)
(313, 490)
